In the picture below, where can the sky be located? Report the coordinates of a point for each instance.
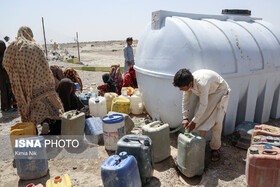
(102, 20)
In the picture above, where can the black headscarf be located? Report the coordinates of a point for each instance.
(110, 82)
(2, 50)
(66, 90)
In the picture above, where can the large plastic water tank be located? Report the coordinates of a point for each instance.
(244, 50)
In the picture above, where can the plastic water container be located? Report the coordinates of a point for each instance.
(93, 88)
(127, 91)
(266, 130)
(128, 123)
(98, 106)
(84, 97)
(20, 130)
(94, 130)
(109, 98)
(59, 181)
(77, 86)
(243, 133)
(120, 171)
(73, 123)
(244, 50)
(124, 95)
(121, 105)
(159, 134)
(136, 103)
(263, 166)
(140, 146)
(113, 130)
(191, 154)
(262, 140)
(31, 162)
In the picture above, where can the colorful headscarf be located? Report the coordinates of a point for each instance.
(71, 74)
(31, 79)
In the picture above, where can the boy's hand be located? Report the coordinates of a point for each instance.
(185, 123)
(191, 126)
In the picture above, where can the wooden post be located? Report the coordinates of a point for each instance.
(45, 38)
(78, 47)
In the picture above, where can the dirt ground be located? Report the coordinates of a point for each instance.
(229, 171)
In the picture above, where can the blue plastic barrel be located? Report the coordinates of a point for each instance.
(84, 97)
(120, 171)
(94, 130)
(31, 158)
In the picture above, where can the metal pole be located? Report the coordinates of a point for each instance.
(45, 38)
(78, 47)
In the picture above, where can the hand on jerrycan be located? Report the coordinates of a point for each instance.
(189, 126)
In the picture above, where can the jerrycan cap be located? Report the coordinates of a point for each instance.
(146, 142)
(123, 155)
(270, 139)
(97, 100)
(257, 138)
(267, 146)
(254, 150)
(57, 179)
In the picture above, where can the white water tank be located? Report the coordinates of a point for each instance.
(244, 50)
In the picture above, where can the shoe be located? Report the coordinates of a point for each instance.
(215, 155)
(45, 128)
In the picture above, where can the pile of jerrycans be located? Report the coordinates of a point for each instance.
(135, 155)
(263, 157)
(132, 165)
(131, 103)
(243, 134)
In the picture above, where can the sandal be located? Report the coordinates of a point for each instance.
(215, 155)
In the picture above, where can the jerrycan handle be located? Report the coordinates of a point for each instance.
(117, 161)
(77, 112)
(154, 123)
(190, 134)
(269, 152)
(146, 142)
(123, 155)
(131, 140)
